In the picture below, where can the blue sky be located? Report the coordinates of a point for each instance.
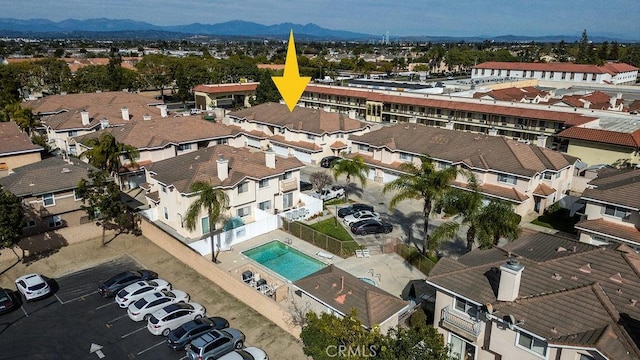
(408, 17)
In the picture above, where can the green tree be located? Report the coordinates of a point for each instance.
(214, 201)
(22, 116)
(106, 153)
(55, 74)
(266, 90)
(485, 223)
(101, 200)
(355, 167)
(11, 215)
(89, 79)
(422, 181)
(584, 50)
(155, 70)
(416, 343)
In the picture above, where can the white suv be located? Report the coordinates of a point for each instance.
(172, 316)
(32, 286)
(140, 289)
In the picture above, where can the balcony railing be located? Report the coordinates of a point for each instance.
(452, 321)
(289, 184)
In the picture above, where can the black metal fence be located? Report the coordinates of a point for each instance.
(335, 246)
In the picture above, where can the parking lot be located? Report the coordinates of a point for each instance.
(77, 323)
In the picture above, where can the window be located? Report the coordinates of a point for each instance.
(72, 133)
(466, 307)
(406, 157)
(287, 200)
(287, 175)
(75, 196)
(164, 188)
(265, 205)
(531, 343)
(593, 77)
(166, 213)
(54, 221)
(362, 147)
(584, 77)
(243, 187)
(311, 137)
(564, 75)
(509, 179)
(222, 141)
(30, 223)
(586, 357)
(547, 175)
(48, 199)
(205, 225)
(263, 183)
(73, 150)
(245, 211)
(442, 166)
(461, 349)
(616, 212)
(572, 76)
(281, 130)
(183, 147)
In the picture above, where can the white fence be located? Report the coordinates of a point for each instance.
(264, 223)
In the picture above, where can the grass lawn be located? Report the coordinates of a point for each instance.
(332, 227)
(559, 220)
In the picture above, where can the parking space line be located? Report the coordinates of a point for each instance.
(182, 358)
(116, 319)
(133, 332)
(77, 298)
(24, 311)
(60, 301)
(105, 305)
(150, 347)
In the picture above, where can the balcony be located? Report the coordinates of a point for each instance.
(288, 185)
(460, 324)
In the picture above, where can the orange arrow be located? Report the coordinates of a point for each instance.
(291, 85)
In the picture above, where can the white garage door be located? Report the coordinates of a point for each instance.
(253, 142)
(280, 150)
(387, 177)
(302, 156)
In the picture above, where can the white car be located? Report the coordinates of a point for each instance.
(143, 308)
(140, 289)
(359, 216)
(32, 286)
(172, 316)
(248, 353)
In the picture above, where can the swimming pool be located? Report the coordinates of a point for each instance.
(284, 260)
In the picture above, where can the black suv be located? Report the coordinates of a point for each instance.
(110, 287)
(328, 161)
(353, 208)
(179, 337)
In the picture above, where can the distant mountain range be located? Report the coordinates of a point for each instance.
(128, 29)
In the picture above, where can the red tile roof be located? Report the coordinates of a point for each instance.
(338, 145)
(609, 68)
(226, 88)
(515, 111)
(602, 136)
(544, 190)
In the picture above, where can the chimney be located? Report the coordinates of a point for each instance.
(104, 123)
(541, 141)
(125, 113)
(146, 117)
(510, 275)
(163, 110)
(223, 168)
(270, 159)
(84, 114)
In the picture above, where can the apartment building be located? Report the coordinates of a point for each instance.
(612, 202)
(609, 73)
(540, 297)
(306, 134)
(70, 115)
(251, 180)
(212, 96)
(515, 120)
(531, 177)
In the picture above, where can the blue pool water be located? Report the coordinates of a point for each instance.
(283, 259)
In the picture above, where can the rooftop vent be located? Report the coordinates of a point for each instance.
(66, 170)
(556, 276)
(586, 269)
(616, 278)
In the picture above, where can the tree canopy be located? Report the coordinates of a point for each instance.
(11, 218)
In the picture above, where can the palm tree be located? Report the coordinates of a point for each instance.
(355, 167)
(422, 182)
(22, 116)
(214, 201)
(486, 223)
(105, 153)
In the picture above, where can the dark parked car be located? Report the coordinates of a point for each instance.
(118, 282)
(178, 338)
(214, 344)
(305, 186)
(353, 208)
(7, 302)
(371, 226)
(328, 161)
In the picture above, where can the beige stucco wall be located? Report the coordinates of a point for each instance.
(593, 153)
(14, 161)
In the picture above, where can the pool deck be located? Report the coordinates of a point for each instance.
(389, 271)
